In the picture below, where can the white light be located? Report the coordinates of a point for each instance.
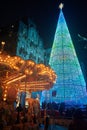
(61, 5)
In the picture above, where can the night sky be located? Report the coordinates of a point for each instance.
(45, 15)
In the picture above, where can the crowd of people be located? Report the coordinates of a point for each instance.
(78, 121)
(32, 114)
(62, 109)
(10, 115)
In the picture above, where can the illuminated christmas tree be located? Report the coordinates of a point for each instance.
(70, 85)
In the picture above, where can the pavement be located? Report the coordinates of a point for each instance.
(54, 127)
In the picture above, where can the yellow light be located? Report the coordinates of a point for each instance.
(16, 79)
(3, 43)
(5, 91)
(30, 72)
(5, 95)
(26, 71)
(4, 99)
(22, 68)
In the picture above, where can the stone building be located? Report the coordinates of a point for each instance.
(23, 39)
(29, 43)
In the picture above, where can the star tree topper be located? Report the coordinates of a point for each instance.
(61, 5)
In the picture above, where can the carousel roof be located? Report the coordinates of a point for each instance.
(24, 75)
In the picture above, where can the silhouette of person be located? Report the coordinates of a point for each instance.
(47, 123)
(78, 122)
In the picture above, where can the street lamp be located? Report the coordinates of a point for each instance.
(2, 47)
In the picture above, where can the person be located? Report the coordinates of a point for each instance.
(19, 109)
(78, 122)
(47, 123)
(34, 119)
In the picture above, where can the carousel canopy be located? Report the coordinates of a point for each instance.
(24, 75)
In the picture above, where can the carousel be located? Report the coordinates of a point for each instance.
(22, 76)
(18, 75)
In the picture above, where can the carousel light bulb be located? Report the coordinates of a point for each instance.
(30, 72)
(4, 99)
(5, 95)
(5, 91)
(26, 71)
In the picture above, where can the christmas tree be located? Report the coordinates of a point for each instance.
(70, 85)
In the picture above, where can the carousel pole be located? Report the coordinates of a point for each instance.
(25, 95)
(45, 111)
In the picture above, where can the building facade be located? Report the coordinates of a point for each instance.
(29, 43)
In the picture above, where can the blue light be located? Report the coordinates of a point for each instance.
(70, 85)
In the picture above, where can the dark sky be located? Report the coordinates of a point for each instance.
(45, 15)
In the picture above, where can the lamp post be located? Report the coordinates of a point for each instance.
(2, 47)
